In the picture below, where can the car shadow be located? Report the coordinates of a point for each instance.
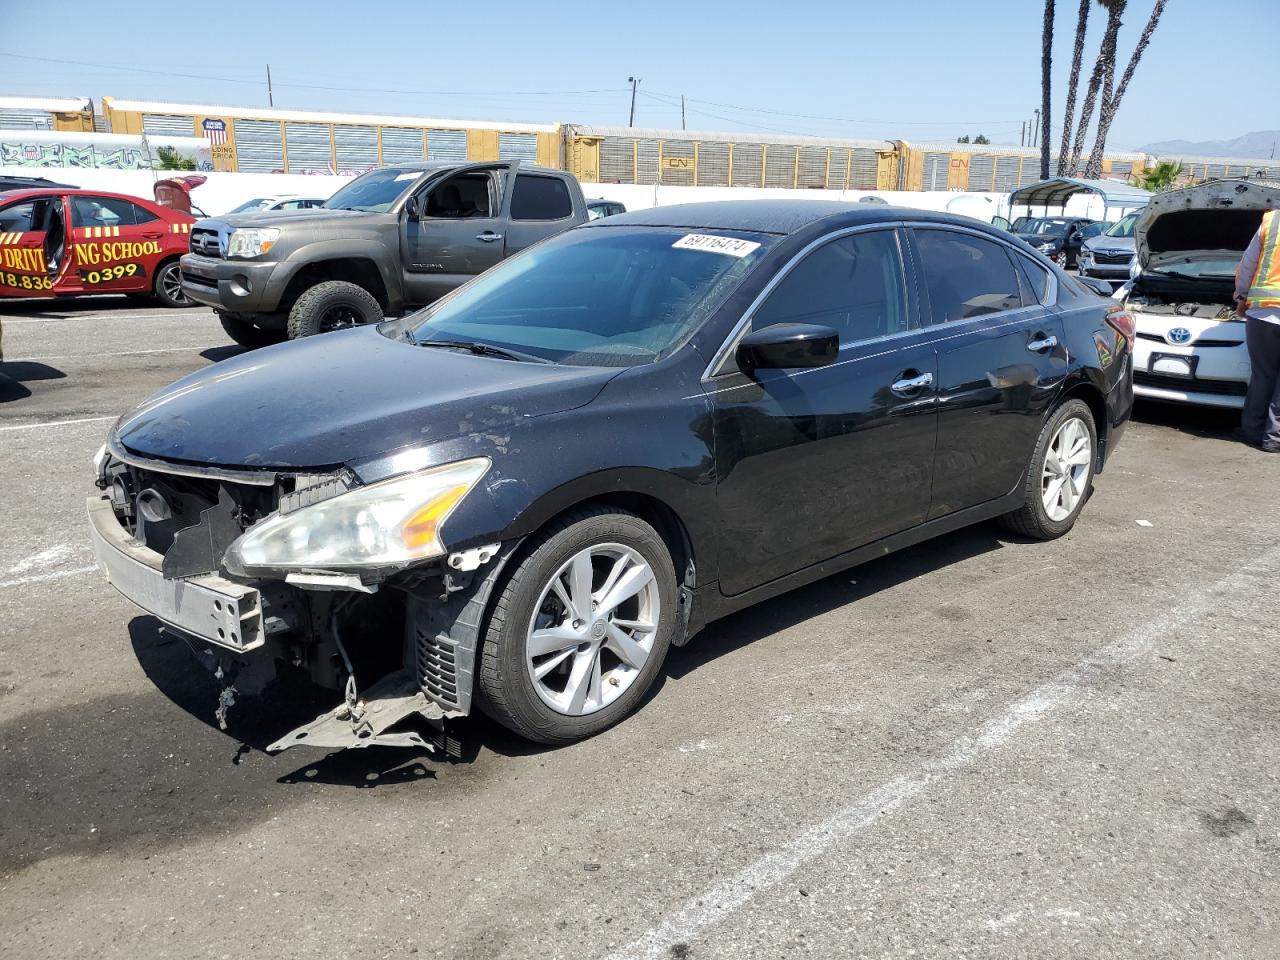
(16, 374)
(256, 721)
(1186, 418)
(214, 354)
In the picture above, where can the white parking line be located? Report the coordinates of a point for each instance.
(122, 353)
(55, 423)
(720, 900)
(45, 577)
(98, 316)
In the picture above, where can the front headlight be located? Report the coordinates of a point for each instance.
(387, 524)
(247, 244)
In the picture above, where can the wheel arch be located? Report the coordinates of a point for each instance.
(360, 269)
(1080, 386)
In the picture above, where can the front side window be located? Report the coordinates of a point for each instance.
(541, 198)
(619, 296)
(854, 285)
(966, 276)
(463, 197)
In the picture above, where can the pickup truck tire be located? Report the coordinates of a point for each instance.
(519, 684)
(168, 286)
(332, 305)
(247, 334)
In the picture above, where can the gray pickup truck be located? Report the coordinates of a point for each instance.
(394, 239)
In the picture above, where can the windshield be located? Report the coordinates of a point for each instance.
(1123, 227)
(1217, 264)
(248, 205)
(374, 192)
(1041, 226)
(617, 296)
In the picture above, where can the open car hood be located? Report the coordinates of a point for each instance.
(1216, 217)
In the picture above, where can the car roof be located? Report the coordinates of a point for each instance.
(429, 165)
(782, 217)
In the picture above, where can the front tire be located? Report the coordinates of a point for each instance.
(168, 286)
(332, 305)
(1060, 474)
(248, 334)
(581, 628)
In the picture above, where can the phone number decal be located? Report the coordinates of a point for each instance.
(23, 281)
(109, 274)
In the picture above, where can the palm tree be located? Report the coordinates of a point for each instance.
(1161, 177)
(1046, 104)
(1111, 102)
(1105, 62)
(1077, 56)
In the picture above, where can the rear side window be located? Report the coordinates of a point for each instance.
(540, 198)
(852, 285)
(1036, 276)
(966, 276)
(17, 218)
(107, 212)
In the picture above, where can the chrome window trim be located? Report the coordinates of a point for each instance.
(739, 329)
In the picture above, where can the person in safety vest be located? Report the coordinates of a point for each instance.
(1258, 301)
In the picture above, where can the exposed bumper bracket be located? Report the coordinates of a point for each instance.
(390, 700)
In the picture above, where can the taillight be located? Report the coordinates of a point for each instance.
(1123, 321)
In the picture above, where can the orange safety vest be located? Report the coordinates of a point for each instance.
(1264, 288)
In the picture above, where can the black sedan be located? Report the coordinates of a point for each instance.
(521, 497)
(1058, 238)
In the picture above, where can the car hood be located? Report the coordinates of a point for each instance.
(1103, 244)
(276, 218)
(345, 397)
(1214, 217)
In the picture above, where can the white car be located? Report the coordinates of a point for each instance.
(279, 201)
(1190, 345)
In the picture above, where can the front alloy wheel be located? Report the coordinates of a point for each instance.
(580, 628)
(593, 629)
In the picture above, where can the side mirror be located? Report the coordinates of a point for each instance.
(1100, 287)
(784, 346)
(1077, 237)
(411, 208)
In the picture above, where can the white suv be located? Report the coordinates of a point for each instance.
(1190, 345)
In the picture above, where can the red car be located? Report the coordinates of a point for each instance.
(58, 242)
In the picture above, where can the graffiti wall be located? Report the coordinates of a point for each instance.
(103, 151)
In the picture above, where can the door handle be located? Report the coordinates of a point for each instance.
(909, 385)
(153, 236)
(1041, 345)
(488, 236)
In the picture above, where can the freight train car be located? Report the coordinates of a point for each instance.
(988, 167)
(686, 158)
(1197, 169)
(69, 114)
(297, 141)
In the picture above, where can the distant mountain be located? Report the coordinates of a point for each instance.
(1259, 145)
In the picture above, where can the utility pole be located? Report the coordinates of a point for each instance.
(270, 99)
(635, 82)
(683, 127)
(1022, 138)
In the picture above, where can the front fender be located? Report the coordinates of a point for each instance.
(385, 259)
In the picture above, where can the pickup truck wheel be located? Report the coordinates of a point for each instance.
(332, 305)
(247, 334)
(168, 286)
(581, 628)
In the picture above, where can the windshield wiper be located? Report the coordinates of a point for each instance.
(483, 350)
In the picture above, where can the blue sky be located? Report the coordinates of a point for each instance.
(923, 70)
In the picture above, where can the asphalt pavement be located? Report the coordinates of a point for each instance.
(978, 747)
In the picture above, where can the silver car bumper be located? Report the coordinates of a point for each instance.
(207, 607)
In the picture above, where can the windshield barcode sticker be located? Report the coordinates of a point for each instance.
(711, 244)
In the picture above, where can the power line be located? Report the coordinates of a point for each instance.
(313, 86)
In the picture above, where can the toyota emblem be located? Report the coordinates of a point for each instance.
(1178, 336)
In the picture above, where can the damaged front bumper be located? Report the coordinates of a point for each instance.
(443, 612)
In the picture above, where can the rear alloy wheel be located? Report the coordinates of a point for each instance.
(1060, 476)
(1062, 260)
(168, 286)
(248, 334)
(332, 305)
(581, 629)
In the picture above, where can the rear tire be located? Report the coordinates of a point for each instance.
(248, 334)
(168, 286)
(539, 605)
(1059, 475)
(332, 305)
